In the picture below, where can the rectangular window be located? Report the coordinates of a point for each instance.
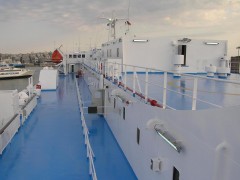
(138, 135)
(109, 97)
(182, 50)
(79, 56)
(83, 55)
(117, 52)
(74, 56)
(175, 174)
(70, 56)
(124, 113)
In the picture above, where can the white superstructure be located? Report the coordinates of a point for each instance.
(169, 54)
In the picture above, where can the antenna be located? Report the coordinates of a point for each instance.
(128, 22)
(112, 23)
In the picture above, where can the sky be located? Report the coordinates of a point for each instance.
(42, 25)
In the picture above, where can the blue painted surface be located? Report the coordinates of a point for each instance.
(50, 145)
(110, 162)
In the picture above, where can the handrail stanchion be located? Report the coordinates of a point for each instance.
(125, 77)
(165, 86)
(194, 98)
(146, 86)
(164, 90)
(119, 72)
(134, 81)
(113, 71)
(105, 69)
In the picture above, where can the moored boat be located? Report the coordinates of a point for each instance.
(14, 73)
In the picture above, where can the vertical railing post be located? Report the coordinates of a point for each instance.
(194, 98)
(146, 86)
(113, 71)
(164, 90)
(107, 69)
(125, 77)
(120, 74)
(134, 81)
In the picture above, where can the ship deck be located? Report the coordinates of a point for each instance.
(51, 145)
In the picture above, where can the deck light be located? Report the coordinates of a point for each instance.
(168, 139)
(157, 125)
(211, 43)
(140, 40)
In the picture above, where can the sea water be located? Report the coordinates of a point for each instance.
(20, 84)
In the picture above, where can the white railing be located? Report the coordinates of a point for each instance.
(90, 153)
(119, 73)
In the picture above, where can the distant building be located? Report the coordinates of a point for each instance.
(235, 64)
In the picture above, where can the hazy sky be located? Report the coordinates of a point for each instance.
(39, 25)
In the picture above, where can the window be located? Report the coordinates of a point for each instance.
(117, 52)
(79, 56)
(182, 50)
(175, 174)
(124, 113)
(74, 56)
(110, 53)
(83, 55)
(109, 97)
(138, 135)
(70, 56)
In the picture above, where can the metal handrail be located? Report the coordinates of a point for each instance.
(90, 153)
(7, 124)
(107, 66)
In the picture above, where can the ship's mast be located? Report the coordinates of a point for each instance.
(112, 24)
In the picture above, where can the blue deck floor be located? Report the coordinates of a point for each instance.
(110, 161)
(50, 145)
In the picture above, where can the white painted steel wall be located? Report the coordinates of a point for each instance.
(8, 133)
(48, 79)
(210, 140)
(160, 53)
(28, 108)
(8, 105)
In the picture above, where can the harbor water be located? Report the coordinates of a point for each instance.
(20, 84)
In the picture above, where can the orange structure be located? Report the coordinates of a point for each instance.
(57, 57)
